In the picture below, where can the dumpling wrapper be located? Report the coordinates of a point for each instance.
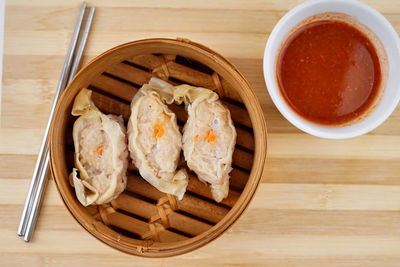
(101, 154)
(209, 135)
(154, 141)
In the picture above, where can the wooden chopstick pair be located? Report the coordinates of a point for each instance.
(38, 182)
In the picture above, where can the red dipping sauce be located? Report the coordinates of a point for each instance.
(329, 72)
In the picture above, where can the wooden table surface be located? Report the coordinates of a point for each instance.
(320, 203)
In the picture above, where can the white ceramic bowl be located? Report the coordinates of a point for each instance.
(375, 22)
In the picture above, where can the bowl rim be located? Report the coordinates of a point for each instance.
(283, 107)
(259, 159)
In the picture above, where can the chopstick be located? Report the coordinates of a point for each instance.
(38, 181)
(42, 176)
(81, 45)
(61, 85)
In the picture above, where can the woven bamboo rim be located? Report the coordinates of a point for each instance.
(143, 221)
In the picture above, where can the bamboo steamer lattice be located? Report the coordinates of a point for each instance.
(142, 220)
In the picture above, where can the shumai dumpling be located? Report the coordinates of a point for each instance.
(101, 154)
(154, 141)
(209, 137)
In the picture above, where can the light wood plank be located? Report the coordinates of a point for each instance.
(16, 166)
(230, 250)
(328, 196)
(169, 20)
(20, 141)
(270, 196)
(382, 6)
(332, 171)
(254, 259)
(364, 147)
(296, 170)
(27, 141)
(247, 45)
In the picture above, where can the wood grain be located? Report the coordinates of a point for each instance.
(320, 203)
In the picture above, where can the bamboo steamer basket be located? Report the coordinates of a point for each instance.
(142, 220)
